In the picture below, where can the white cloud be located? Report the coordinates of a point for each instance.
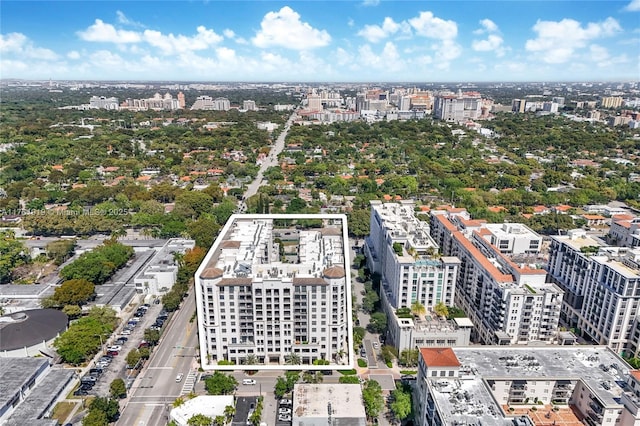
(428, 25)
(229, 33)
(447, 51)
(20, 45)
(343, 57)
(389, 59)
(634, 6)
(351, 22)
(74, 54)
(102, 32)
(371, 2)
(598, 53)
(375, 33)
(122, 19)
(487, 26)
(284, 29)
(170, 44)
(557, 41)
(493, 42)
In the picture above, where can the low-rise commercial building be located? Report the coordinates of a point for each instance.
(328, 404)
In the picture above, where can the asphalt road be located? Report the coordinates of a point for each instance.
(155, 389)
(271, 160)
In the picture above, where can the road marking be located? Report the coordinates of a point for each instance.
(159, 368)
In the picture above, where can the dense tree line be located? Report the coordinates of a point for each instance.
(99, 264)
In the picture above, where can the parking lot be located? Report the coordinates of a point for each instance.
(283, 412)
(112, 365)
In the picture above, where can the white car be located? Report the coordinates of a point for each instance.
(115, 348)
(125, 332)
(285, 401)
(284, 411)
(375, 345)
(284, 417)
(179, 377)
(248, 382)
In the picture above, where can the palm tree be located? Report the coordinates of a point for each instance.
(293, 359)
(441, 309)
(219, 421)
(418, 308)
(117, 233)
(251, 359)
(229, 412)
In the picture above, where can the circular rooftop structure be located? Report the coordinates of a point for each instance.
(28, 328)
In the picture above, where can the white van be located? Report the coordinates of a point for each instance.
(248, 382)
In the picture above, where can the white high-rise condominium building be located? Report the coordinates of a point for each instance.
(603, 289)
(102, 102)
(508, 303)
(401, 250)
(458, 107)
(249, 105)
(271, 295)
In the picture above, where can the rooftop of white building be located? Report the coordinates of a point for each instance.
(469, 398)
(209, 405)
(401, 223)
(247, 248)
(577, 239)
(312, 404)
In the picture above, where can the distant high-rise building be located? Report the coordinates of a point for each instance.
(611, 102)
(518, 105)
(208, 103)
(102, 102)
(249, 105)
(314, 102)
(181, 100)
(458, 107)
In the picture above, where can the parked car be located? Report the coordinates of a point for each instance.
(375, 345)
(80, 392)
(125, 332)
(94, 371)
(284, 417)
(248, 382)
(285, 401)
(113, 353)
(284, 411)
(143, 344)
(87, 379)
(115, 348)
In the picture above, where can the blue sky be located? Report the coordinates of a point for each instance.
(342, 41)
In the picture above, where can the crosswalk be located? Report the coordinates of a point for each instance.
(189, 383)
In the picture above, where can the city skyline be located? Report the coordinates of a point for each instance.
(345, 41)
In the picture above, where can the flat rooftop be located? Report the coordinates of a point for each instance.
(311, 404)
(16, 373)
(41, 398)
(468, 398)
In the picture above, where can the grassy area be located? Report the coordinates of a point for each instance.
(62, 411)
(408, 372)
(347, 372)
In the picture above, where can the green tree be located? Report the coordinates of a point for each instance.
(200, 420)
(229, 412)
(378, 323)
(108, 406)
(293, 359)
(118, 389)
(353, 380)
(12, 254)
(219, 421)
(74, 292)
(372, 397)
(359, 222)
(369, 301)
(204, 231)
(152, 336)
(133, 357)
(409, 357)
(401, 405)
(72, 311)
(95, 418)
(61, 250)
(220, 384)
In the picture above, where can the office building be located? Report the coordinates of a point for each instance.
(208, 103)
(625, 230)
(518, 105)
(400, 248)
(602, 285)
(508, 302)
(271, 295)
(530, 386)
